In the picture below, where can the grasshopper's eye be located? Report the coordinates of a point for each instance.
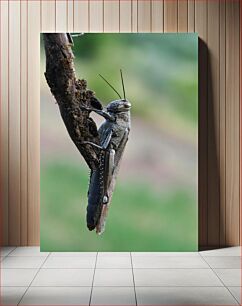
(127, 104)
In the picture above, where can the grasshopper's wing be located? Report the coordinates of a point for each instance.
(115, 160)
(120, 150)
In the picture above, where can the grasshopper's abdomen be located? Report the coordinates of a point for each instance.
(95, 195)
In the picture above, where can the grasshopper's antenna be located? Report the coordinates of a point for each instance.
(110, 85)
(121, 73)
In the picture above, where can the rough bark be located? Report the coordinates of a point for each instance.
(71, 94)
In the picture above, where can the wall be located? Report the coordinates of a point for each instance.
(217, 23)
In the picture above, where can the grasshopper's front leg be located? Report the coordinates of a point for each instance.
(105, 144)
(102, 113)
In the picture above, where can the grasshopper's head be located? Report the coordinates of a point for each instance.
(119, 106)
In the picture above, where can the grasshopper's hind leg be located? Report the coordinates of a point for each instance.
(98, 188)
(108, 173)
(110, 166)
(109, 169)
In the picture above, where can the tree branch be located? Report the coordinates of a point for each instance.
(71, 94)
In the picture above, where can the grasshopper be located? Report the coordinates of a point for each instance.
(113, 138)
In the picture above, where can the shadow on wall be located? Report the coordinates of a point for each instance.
(210, 224)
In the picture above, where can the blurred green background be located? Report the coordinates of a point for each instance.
(154, 206)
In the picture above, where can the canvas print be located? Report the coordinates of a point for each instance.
(119, 142)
